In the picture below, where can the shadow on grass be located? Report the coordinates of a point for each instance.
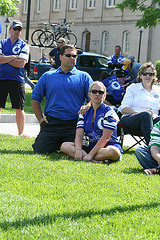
(130, 151)
(133, 170)
(9, 151)
(48, 219)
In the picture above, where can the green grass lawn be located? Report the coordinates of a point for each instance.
(27, 108)
(54, 197)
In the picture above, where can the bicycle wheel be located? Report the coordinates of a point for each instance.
(35, 37)
(46, 38)
(71, 38)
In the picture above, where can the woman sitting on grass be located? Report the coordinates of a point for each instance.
(100, 127)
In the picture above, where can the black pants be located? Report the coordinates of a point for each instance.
(140, 122)
(53, 134)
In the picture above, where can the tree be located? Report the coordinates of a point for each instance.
(150, 11)
(9, 7)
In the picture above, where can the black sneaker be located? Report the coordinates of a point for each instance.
(152, 171)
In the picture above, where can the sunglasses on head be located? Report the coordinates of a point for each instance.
(97, 91)
(17, 28)
(148, 73)
(70, 55)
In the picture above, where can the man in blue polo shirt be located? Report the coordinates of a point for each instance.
(14, 54)
(65, 89)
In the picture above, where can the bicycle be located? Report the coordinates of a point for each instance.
(46, 38)
(36, 34)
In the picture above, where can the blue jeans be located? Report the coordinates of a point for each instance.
(142, 121)
(144, 157)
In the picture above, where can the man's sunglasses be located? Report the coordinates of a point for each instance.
(70, 55)
(148, 73)
(17, 28)
(97, 91)
(59, 42)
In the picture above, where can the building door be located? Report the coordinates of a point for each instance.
(87, 46)
(86, 41)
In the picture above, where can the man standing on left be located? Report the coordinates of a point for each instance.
(14, 54)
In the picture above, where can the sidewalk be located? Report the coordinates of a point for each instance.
(8, 125)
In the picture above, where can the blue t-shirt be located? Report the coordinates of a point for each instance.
(105, 118)
(113, 87)
(20, 48)
(56, 52)
(65, 92)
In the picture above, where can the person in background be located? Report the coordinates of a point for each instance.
(149, 157)
(14, 53)
(133, 69)
(44, 59)
(141, 102)
(99, 125)
(116, 60)
(66, 90)
(0, 28)
(54, 54)
(114, 90)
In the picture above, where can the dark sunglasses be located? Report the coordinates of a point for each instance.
(97, 91)
(148, 73)
(59, 42)
(17, 28)
(70, 55)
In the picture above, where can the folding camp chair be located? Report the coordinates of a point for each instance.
(122, 130)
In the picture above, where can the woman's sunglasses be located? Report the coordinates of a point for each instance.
(148, 73)
(97, 91)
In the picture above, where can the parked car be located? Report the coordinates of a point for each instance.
(91, 63)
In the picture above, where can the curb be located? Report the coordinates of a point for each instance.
(11, 118)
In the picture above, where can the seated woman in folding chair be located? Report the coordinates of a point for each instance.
(100, 126)
(141, 103)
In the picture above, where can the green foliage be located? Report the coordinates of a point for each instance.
(54, 197)
(9, 7)
(157, 66)
(150, 13)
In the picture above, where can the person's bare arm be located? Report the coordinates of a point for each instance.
(7, 59)
(13, 60)
(18, 62)
(38, 111)
(128, 110)
(84, 108)
(78, 144)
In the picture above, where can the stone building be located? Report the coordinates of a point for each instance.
(98, 25)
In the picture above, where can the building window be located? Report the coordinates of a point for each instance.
(91, 4)
(38, 5)
(73, 4)
(25, 6)
(56, 5)
(126, 42)
(105, 42)
(110, 3)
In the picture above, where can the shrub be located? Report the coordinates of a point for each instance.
(157, 66)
